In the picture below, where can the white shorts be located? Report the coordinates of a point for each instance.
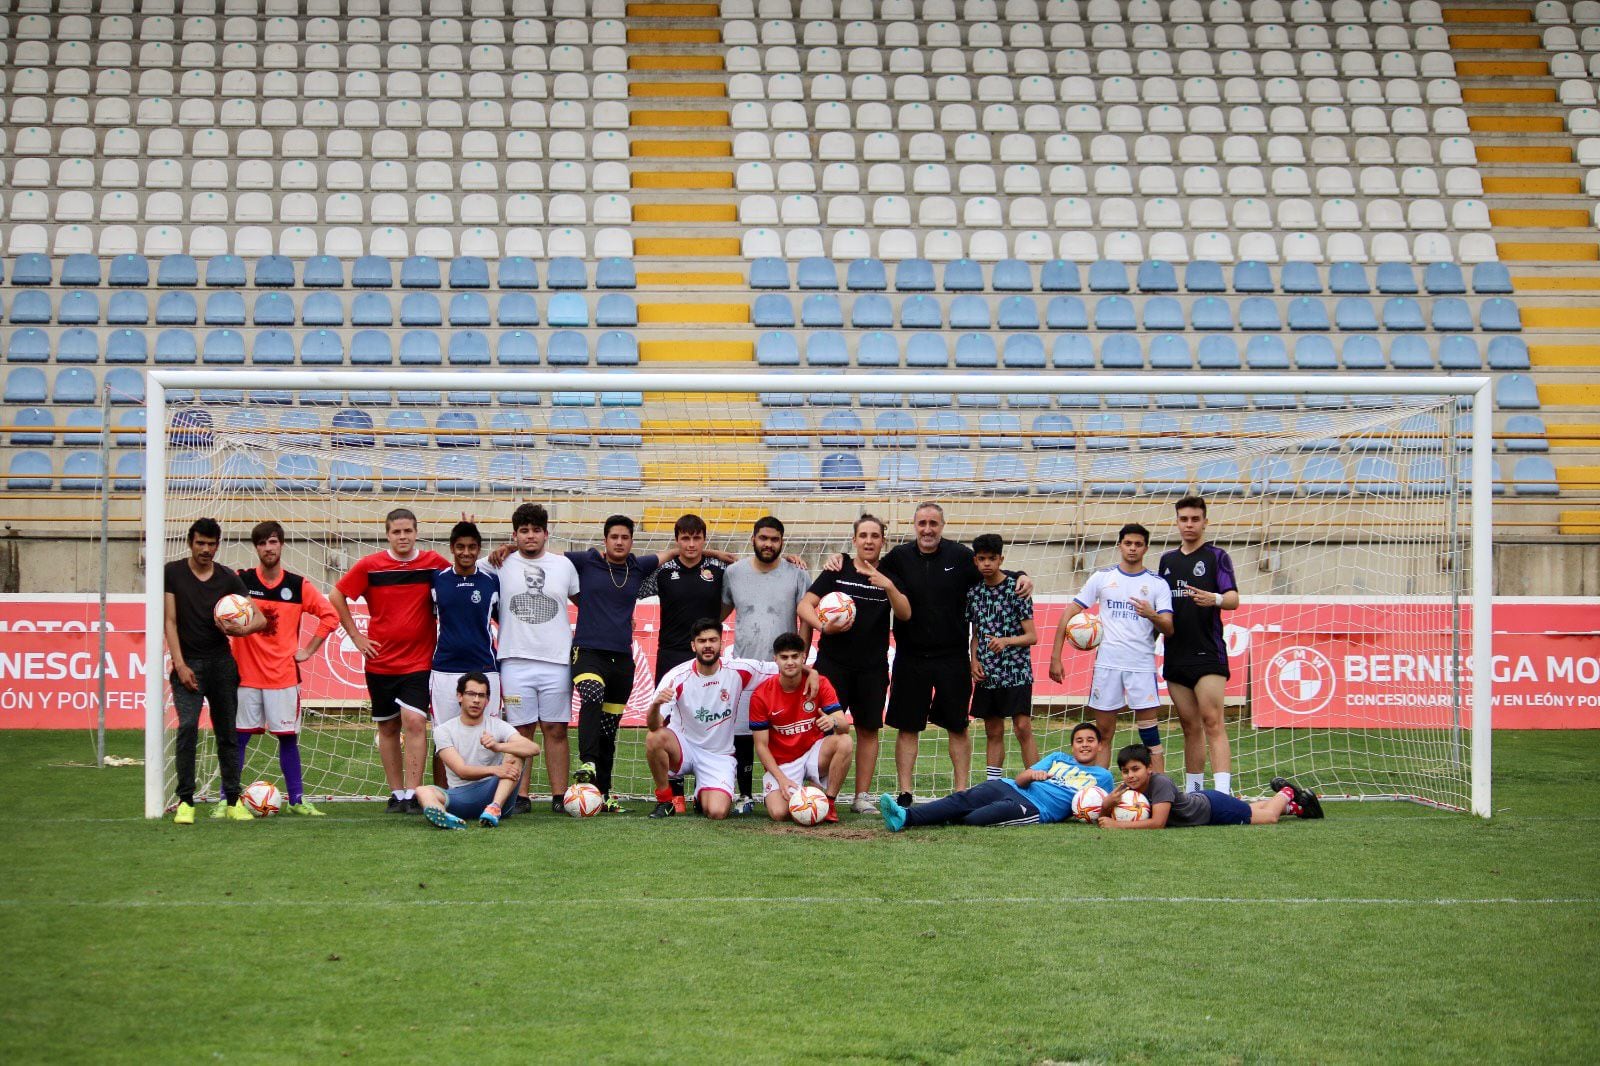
(1115, 689)
(447, 705)
(710, 769)
(536, 691)
(269, 710)
(807, 767)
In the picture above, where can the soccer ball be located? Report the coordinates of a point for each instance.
(837, 607)
(1133, 807)
(262, 798)
(1084, 631)
(233, 609)
(808, 805)
(582, 801)
(1086, 804)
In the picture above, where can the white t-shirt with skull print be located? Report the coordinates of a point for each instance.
(533, 613)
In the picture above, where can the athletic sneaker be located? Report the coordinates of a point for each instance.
(412, 806)
(905, 799)
(744, 805)
(664, 809)
(611, 806)
(396, 805)
(521, 805)
(219, 811)
(894, 815)
(833, 812)
(557, 806)
(184, 815)
(1310, 806)
(490, 817)
(584, 775)
(306, 809)
(443, 818)
(863, 804)
(679, 806)
(238, 812)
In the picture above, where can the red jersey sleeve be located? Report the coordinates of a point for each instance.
(435, 560)
(354, 583)
(760, 707)
(316, 604)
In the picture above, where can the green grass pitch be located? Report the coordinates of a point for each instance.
(1388, 932)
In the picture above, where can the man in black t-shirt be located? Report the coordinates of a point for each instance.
(855, 660)
(203, 668)
(688, 588)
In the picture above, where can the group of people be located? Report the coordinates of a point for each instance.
(479, 645)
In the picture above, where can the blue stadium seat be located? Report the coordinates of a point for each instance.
(1104, 431)
(469, 272)
(174, 271)
(30, 471)
(616, 348)
(419, 272)
(1023, 351)
(1505, 353)
(952, 474)
(842, 472)
(619, 472)
(1491, 278)
(1072, 352)
(1060, 275)
(73, 345)
(1524, 433)
(1323, 475)
(970, 312)
(914, 275)
(323, 272)
(1402, 313)
(79, 269)
(1166, 475)
(1516, 392)
(225, 271)
(825, 348)
(976, 350)
(899, 473)
(1410, 352)
(36, 425)
(1308, 313)
(29, 346)
(620, 427)
(1210, 313)
(894, 429)
(511, 429)
(129, 270)
(1271, 475)
(1362, 353)
(1349, 278)
(518, 272)
(517, 348)
(371, 309)
(127, 474)
(1396, 279)
(372, 272)
(790, 472)
(128, 428)
(243, 472)
(32, 308)
(1220, 477)
(817, 272)
(517, 309)
(1251, 275)
(272, 309)
(225, 308)
(842, 429)
(1056, 474)
(567, 348)
(567, 272)
(349, 475)
(1443, 279)
(769, 272)
(565, 471)
(786, 428)
(223, 347)
(823, 311)
(192, 428)
(1011, 275)
(177, 347)
(1155, 275)
(1300, 277)
(356, 426)
(866, 275)
(1107, 275)
(34, 268)
(420, 309)
(1121, 352)
(128, 308)
(963, 275)
(770, 311)
(1114, 312)
(1266, 352)
(1459, 353)
(1499, 314)
(1111, 475)
(324, 347)
(469, 309)
(468, 347)
(456, 429)
(921, 312)
(1018, 312)
(615, 273)
(1160, 431)
(1377, 475)
(1163, 314)
(72, 385)
(321, 309)
(418, 347)
(1314, 353)
(870, 311)
(1218, 353)
(877, 349)
(274, 271)
(1170, 351)
(297, 472)
(271, 347)
(80, 308)
(1451, 314)
(1052, 431)
(1066, 312)
(1355, 313)
(927, 350)
(1204, 276)
(777, 349)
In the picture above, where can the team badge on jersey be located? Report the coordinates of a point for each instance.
(1199, 569)
(285, 594)
(477, 597)
(706, 575)
(810, 707)
(674, 575)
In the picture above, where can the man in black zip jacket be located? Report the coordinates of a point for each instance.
(932, 679)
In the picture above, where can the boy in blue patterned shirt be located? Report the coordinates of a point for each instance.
(1002, 668)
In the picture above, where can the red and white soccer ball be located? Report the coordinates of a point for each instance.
(1084, 630)
(1133, 807)
(262, 799)
(808, 805)
(837, 608)
(582, 800)
(1086, 804)
(233, 609)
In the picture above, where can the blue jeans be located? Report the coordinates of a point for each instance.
(991, 803)
(468, 800)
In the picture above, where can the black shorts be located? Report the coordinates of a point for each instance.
(613, 668)
(936, 690)
(862, 691)
(392, 692)
(1189, 674)
(1012, 701)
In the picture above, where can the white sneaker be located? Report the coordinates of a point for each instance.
(864, 804)
(744, 805)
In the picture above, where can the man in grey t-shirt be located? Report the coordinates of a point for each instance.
(763, 591)
(483, 759)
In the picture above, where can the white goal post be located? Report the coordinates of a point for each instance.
(1474, 690)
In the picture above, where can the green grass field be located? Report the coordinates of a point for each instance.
(1388, 932)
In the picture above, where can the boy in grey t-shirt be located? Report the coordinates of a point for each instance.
(483, 759)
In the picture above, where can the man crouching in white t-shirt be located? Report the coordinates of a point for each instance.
(483, 758)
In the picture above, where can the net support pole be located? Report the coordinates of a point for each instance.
(1482, 598)
(155, 531)
(105, 575)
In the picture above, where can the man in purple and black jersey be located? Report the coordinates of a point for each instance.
(1196, 660)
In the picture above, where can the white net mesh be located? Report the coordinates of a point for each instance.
(1344, 517)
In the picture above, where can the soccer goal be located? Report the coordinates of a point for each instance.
(1356, 510)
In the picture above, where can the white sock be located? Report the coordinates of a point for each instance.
(994, 772)
(399, 793)
(1194, 782)
(409, 793)
(1221, 782)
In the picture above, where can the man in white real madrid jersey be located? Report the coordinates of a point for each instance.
(691, 722)
(1135, 604)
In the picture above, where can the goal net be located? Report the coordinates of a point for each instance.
(1345, 504)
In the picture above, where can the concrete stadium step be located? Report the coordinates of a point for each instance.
(1517, 251)
(688, 90)
(1533, 186)
(1572, 434)
(1561, 317)
(1569, 395)
(1578, 478)
(675, 62)
(1516, 123)
(682, 179)
(1496, 42)
(690, 213)
(1508, 96)
(1502, 68)
(697, 119)
(1536, 218)
(687, 247)
(1527, 154)
(708, 313)
(1571, 523)
(1459, 15)
(685, 149)
(696, 351)
(644, 35)
(1557, 355)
